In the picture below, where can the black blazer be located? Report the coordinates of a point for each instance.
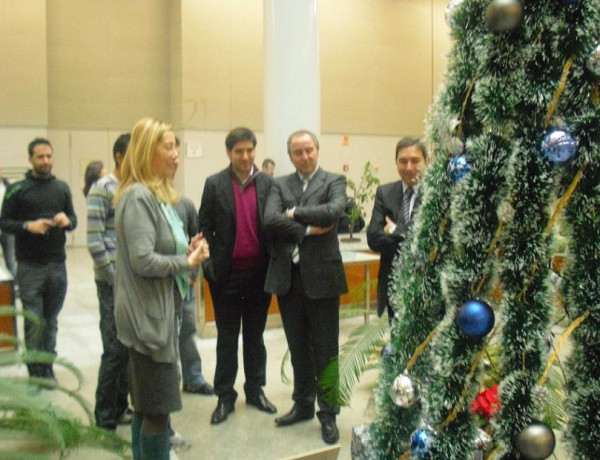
(321, 205)
(388, 202)
(217, 220)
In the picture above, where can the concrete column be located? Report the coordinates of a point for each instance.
(292, 85)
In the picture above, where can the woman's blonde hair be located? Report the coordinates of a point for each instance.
(137, 164)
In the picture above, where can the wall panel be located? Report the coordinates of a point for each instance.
(23, 82)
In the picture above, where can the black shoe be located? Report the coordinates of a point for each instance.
(202, 389)
(261, 403)
(329, 431)
(221, 413)
(297, 414)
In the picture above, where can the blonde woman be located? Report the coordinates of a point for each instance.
(154, 259)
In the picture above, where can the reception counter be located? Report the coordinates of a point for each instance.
(360, 264)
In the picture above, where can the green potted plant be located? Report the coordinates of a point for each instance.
(359, 195)
(32, 426)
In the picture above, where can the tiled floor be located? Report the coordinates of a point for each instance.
(247, 434)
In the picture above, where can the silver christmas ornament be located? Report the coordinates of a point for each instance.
(455, 146)
(482, 440)
(504, 15)
(536, 441)
(405, 391)
(593, 62)
(361, 447)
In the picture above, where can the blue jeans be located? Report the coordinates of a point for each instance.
(111, 391)
(43, 289)
(191, 363)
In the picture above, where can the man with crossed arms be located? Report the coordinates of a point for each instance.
(307, 274)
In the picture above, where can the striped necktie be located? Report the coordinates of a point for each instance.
(296, 251)
(406, 204)
(305, 180)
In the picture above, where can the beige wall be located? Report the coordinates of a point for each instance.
(103, 64)
(83, 71)
(221, 64)
(108, 62)
(23, 75)
(376, 65)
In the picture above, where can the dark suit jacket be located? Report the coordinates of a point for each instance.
(217, 220)
(388, 202)
(321, 205)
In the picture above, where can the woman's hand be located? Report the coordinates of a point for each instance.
(198, 251)
(194, 242)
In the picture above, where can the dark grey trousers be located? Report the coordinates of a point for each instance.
(112, 389)
(43, 289)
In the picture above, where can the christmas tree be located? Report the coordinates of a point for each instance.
(516, 136)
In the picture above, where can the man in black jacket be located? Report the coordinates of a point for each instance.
(7, 240)
(39, 210)
(393, 212)
(231, 220)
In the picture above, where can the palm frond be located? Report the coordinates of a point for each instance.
(44, 357)
(26, 414)
(14, 455)
(14, 312)
(553, 411)
(351, 312)
(285, 378)
(341, 375)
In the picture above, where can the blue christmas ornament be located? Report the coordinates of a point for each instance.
(420, 440)
(558, 145)
(458, 167)
(571, 2)
(475, 319)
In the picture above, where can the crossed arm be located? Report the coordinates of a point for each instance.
(296, 223)
(383, 234)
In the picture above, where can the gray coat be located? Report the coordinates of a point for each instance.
(145, 270)
(321, 264)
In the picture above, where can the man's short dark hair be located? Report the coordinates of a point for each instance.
(302, 132)
(267, 162)
(409, 142)
(239, 134)
(37, 141)
(120, 145)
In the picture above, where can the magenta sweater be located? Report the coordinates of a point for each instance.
(246, 250)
